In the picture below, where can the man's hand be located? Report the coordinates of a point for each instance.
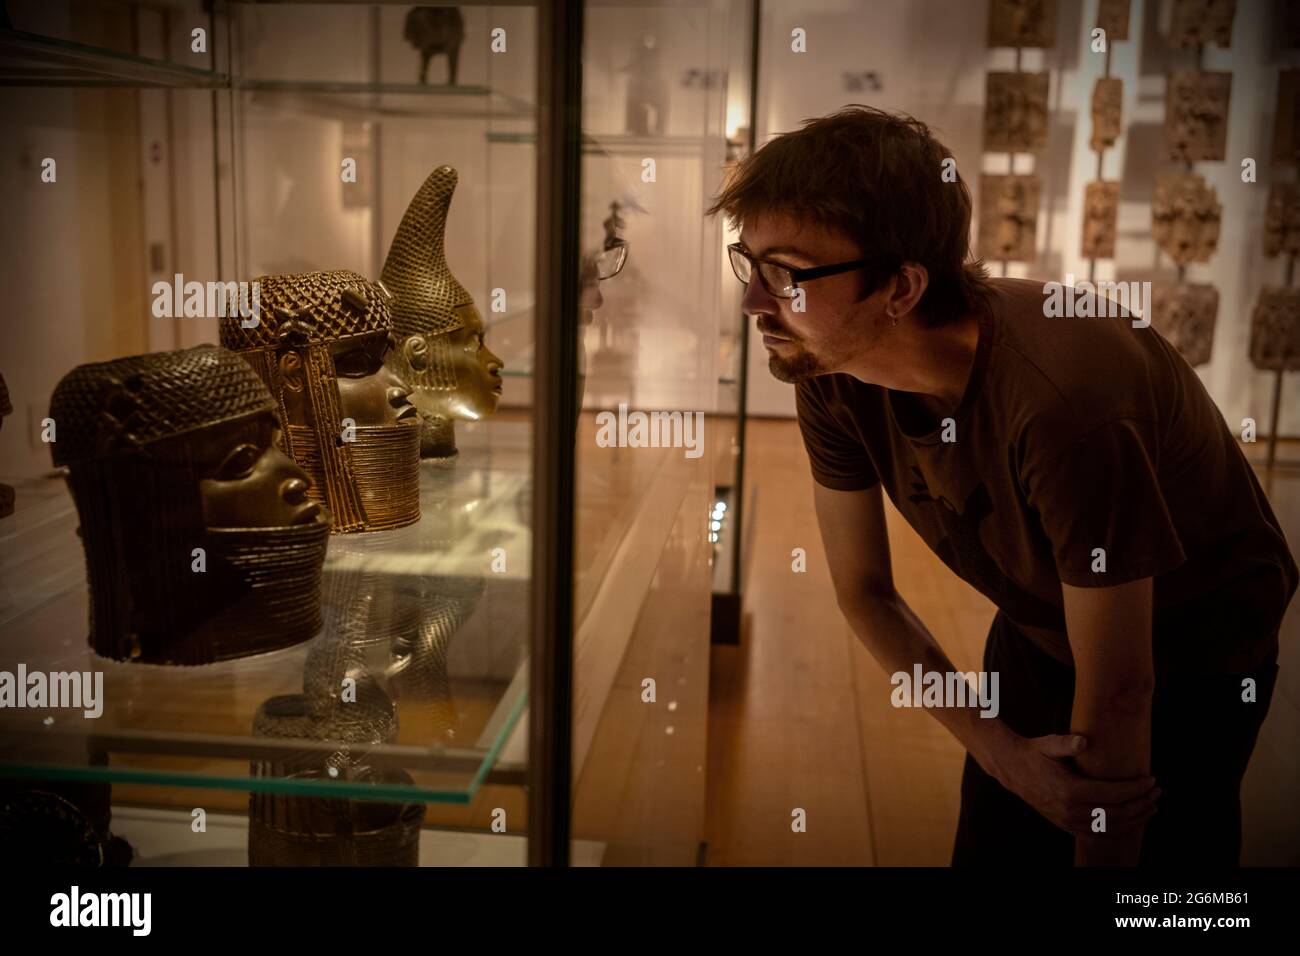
(1040, 771)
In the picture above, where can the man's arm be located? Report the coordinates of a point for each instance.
(857, 551)
(1110, 637)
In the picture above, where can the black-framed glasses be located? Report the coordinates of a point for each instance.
(779, 280)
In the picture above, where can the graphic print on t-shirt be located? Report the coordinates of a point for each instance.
(962, 550)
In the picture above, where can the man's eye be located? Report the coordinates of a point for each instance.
(239, 463)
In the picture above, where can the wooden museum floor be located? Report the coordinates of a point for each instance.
(799, 713)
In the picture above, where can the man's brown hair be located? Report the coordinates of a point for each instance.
(877, 177)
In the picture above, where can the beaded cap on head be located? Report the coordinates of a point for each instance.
(416, 272)
(309, 309)
(105, 408)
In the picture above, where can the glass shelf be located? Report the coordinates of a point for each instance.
(458, 690)
(29, 59)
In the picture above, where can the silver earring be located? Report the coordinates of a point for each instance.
(893, 319)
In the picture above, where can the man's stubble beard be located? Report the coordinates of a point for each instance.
(796, 368)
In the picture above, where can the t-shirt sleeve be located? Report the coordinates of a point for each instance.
(839, 459)
(1101, 492)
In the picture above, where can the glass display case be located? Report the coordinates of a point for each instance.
(499, 651)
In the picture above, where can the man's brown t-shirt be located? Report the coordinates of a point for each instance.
(1073, 435)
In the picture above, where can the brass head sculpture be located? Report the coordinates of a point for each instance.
(440, 349)
(1185, 215)
(201, 543)
(319, 345)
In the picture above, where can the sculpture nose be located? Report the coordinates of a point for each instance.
(397, 396)
(294, 491)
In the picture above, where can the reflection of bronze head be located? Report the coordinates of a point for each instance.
(319, 346)
(172, 452)
(1185, 217)
(440, 346)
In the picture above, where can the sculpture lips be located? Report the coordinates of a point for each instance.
(407, 412)
(307, 513)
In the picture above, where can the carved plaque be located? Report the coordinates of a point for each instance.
(1185, 217)
(1100, 216)
(1275, 330)
(1026, 23)
(1202, 22)
(1282, 220)
(1184, 313)
(1113, 16)
(1008, 217)
(1107, 111)
(1196, 116)
(1286, 121)
(1015, 112)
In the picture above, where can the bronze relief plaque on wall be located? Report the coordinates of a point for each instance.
(1107, 111)
(1196, 116)
(1185, 313)
(1100, 218)
(1024, 23)
(1282, 220)
(1015, 112)
(1113, 17)
(1275, 330)
(1008, 217)
(1185, 215)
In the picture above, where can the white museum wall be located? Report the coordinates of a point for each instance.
(931, 60)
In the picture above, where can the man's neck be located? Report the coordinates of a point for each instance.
(933, 366)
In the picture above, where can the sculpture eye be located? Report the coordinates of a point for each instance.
(239, 463)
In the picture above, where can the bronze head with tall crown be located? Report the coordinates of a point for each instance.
(440, 347)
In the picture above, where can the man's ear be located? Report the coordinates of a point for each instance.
(910, 283)
(416, 352)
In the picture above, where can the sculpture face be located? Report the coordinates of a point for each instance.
(369, 392)
(1100, 216)
(320, 347)
(1015, 115)
(246, 481)
(173, 452)
(1185, 217)
(1196, 116)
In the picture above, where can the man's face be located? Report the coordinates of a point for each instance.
(834, 332)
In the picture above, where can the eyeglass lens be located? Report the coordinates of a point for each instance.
(776, 279)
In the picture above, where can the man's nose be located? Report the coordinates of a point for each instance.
(757, 300)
